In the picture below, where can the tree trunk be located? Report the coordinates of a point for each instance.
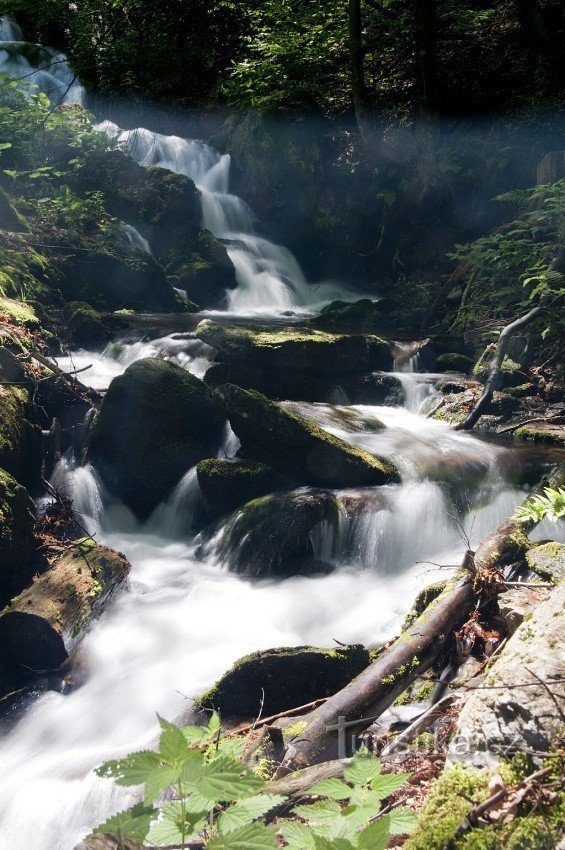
(358, 87)
(493, 379)
(534, 34)
(425, 12)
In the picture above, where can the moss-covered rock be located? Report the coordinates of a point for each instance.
(424, 598)
(72, 590)
(546, 433)
(207, 272)
(287, 677)
(297, 348)
(86, 326)
(226, 485)
(292, 444)
(29, 647)
(361, 316)
(20, 441)
(17, 541)
(453, 362)
(12, 370)
(548, 560)
(156, 421)
(271, 535)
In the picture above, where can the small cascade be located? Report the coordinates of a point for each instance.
(38, 66)
(174, 517)
(134, 237)
(270, 280)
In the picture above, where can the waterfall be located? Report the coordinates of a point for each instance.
(134, 237)
(38, 66)
(269, 277)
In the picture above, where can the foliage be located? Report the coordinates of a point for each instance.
(520, 262)
(224, 803)
(550, 506)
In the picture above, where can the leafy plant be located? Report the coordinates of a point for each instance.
(212, 796)
(550, 506)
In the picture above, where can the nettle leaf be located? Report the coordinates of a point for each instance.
(363, 769)
(299, 836)
(375, 836)
(255, 836)
(335, 789)
(402, 821)
(247, 811)
(172, 743)
(321, 843)
(214, 724)
(222, 780)
(169, 828)
(131, 770)
(195, 734)
(132, 823)
(386, 784)
(160, 779)
(323, 811)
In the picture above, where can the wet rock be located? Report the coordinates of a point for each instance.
(88, 327)
(11, 370)
(508, 717)
(292, 444)
(29, 647)
(207, 273)
(297, 348)
(424, 598)
(517, 603)
(372, 389)
(453, 362)
(20, 441)
(503, 404)
(226, 485)
(548, 561)
(453, 386)
(156, 421)
(363, 316)
(73, 589)
(287, 677)
(270, 536)
(17, 541)
(548, 433)
(277, 385)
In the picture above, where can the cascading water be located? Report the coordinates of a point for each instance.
(270, 280)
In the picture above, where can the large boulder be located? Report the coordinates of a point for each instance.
(515, 712)
(297, 348)
(206, 272)
(17, 541)
(20, 441)
(156, 421)
(292, 444)
(281, 679)
(227, 484)
(270, 536)
(548, 560)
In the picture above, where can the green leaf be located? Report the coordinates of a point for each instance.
(195, 734)
(375, 836)
(402, 821)
(386, 784)
(321, 843)
(299, 836)
(222, 780)
(160, 779)
(131, 770)
(214, 724)
(323, 811)
(172, 743)
(132, 823)
(255, 836)
(335, 789)
(247, 811)
(363, 769)
(169, 828)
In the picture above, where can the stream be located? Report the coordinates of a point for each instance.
(182, 618)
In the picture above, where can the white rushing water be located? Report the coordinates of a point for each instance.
(269, 278)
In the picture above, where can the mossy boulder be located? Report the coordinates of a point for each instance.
(548, 561)
(297, 348)
(87, 326)
(548, 433)
(424, 598)
(226, 485)
(207, 272)
(12, 370)
(364, 315)
(73, 589)
(295, 445)
(29, 647)
(156, 421)
(453, 362)
(20, 441)
(17, 541)
(281, 679)
(270, 536)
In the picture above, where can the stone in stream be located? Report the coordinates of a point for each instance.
(60, 602)
(515, 712)
(297, 348)
(17, 542)
(295, 445)
(156, 421)
(270, 536)
(281, 679)
(226, 485)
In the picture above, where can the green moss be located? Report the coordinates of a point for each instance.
(424, 598)
(454, 363)
(19, 312)
(295, 729)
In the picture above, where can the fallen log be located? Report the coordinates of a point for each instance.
(366, 697)
(493, 378)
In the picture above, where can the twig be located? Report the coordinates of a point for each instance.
(258, 718)
(289, 713)
(528, 584)
(528, 422)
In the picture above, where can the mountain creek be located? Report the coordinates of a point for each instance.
(240, 461)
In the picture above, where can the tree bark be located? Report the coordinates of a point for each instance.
(425, 12)
(493, 379)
